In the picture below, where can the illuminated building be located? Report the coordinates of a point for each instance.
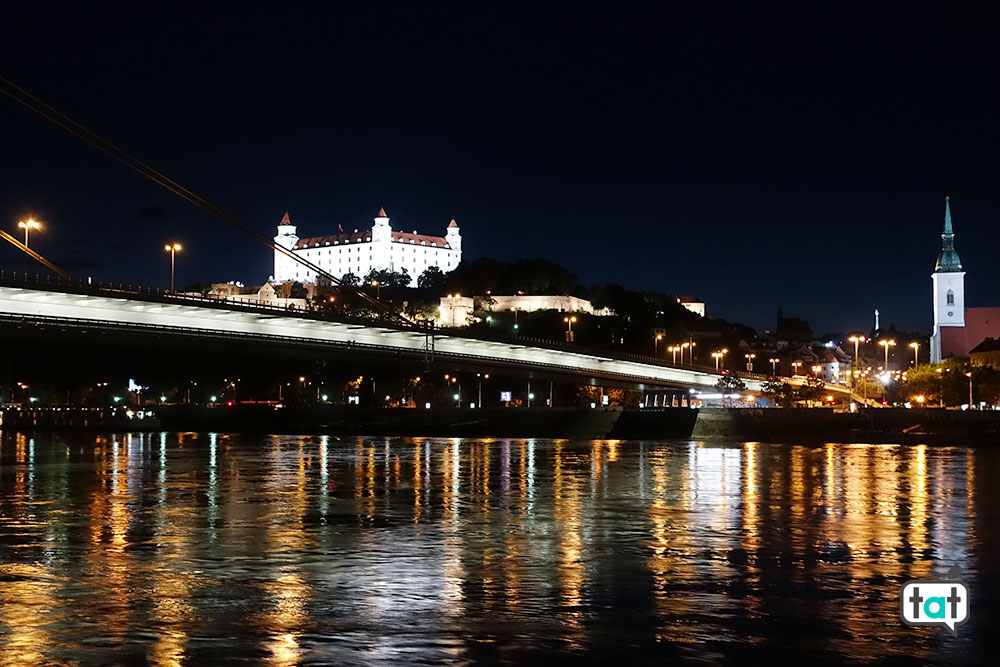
(379, 248)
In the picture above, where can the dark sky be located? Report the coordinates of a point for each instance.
(793, 154)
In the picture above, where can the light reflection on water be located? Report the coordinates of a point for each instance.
(209, 548)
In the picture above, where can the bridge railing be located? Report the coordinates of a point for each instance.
(158, 295)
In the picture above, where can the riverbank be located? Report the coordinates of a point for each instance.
(927, 425)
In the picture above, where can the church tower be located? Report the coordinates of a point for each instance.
(284, 266)
(948, 279)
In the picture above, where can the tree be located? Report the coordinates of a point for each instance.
(431, 279)
(729, 384)
(349, 279)
(778, 392)
(810, 390)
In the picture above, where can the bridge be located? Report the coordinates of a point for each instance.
(74, 306)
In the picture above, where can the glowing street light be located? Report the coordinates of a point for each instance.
(795, 367)
(684, 345)
(718, 358)
(656, 340)
(673, 349)
(172, 248)
(378, 290)
(774, 364)
(569, 327)
(916, 348)
(969, 375)
(887, 344)
(27, 226)
(750, 358)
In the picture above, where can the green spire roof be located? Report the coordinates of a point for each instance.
(948, 261)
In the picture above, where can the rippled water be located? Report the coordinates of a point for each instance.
(214, 549)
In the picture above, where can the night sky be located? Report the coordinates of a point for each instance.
(796, 155)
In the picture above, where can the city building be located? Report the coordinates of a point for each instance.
(529, 303)
(380, 248)
(790, 331)
(957, 328)
(694, 305)
(987, 353)
(266, 295)
(456, 310)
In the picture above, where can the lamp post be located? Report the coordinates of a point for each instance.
(916, 348)
(673, 353)
(856, 340)
(27, 226)
(718, 359)
(969, 375)
(817, 370)
(172, 248)
(750, 358)
(479, 394)
(378, 290)
(683, 345)
(940, 373)
(692, 350)
(795, 366)
(887, 344)
(569, 327)
(774, 365)
(656, 340)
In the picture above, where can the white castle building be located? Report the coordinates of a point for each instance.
(378, 248)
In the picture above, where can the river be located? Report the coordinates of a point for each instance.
(203, 548)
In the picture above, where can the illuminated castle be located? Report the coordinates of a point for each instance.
(378, 248)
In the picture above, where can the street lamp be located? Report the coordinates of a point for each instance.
(750, 358)
(940, 373)
(673, 353)
(969, 375)
(856, 340)
(817, 370)
(683, 345)
(569, 327)
(718, 358)
(916, 348)
(378, 290)
(656, 339)
(774, 364)
(172, 248)
(27, 226)
(795, 366)
(479, 398)
(887, 344)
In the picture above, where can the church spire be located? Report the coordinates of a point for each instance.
(948, 261)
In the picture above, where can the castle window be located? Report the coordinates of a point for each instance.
(950, 298)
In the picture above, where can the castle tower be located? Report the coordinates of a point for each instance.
(285, 266)
(948, 279)
(381, 249)
(453, 237)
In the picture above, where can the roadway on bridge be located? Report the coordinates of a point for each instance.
(102, 309)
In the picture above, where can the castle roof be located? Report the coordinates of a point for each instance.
(366, 237)
(419, 239)
(285, 220)
(947, 261)
(381, 212)
(452, 223)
